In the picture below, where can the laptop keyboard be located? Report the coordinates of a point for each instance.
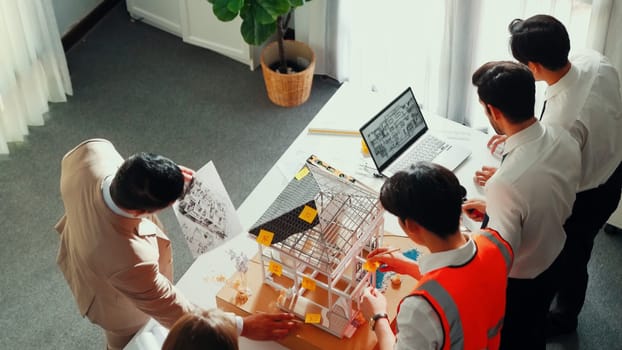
(426, 150)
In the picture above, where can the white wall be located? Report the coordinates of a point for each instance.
(613, 44)
(70, 12)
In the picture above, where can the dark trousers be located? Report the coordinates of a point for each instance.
(527, 304)
(590, 212)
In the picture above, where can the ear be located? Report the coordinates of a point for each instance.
(412, 227)
(535, 68)
(495, 112)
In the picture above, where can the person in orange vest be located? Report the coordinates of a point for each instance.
(459, 300)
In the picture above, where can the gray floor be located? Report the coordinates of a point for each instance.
(147, 91)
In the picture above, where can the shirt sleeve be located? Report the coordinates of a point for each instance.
(419, 326)
(152, 293)
(504, 208)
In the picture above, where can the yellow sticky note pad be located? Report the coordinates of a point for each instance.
(265, 237)
(371, 266)
(302, 173)
(308, 214)
(308, 283)
(275, 268)
(364, 148)
(313, 318)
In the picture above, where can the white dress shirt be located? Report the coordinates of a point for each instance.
(589, 93)
(531, 195)
(419, 325)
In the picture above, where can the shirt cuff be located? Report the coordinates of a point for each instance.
(239, 323)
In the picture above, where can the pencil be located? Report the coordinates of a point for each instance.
(333, 132)
(387, 252)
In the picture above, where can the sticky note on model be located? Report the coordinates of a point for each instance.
(313, 318)
(265, 237)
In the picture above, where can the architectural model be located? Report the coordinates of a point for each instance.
(313, 242)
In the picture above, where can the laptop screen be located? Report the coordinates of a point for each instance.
(394, 129)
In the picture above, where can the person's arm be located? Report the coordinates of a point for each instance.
(474, 209)
(419, 326)
(504, 209)
(374, 303)
(152, 293)
(395, 261)
(273, 326)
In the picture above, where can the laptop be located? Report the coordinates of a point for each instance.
(398, 136)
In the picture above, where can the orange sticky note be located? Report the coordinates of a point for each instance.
(275, 268)
(265, 237)
(371, 266)
(313, 318)
(308, 283)
(308, 214)
(302, 173)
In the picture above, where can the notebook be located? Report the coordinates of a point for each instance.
(398, 136)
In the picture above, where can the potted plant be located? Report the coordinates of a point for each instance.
(287, 65)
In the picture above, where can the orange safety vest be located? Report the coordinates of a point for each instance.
(470, 299)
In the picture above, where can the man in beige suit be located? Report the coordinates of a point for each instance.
(113, 252)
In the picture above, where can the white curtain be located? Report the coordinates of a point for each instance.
(331, 40)
(33, 69)
(434, 46)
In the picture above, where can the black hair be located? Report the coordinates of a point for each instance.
(427, 193)
(541, 39)
(147, 181)
(508, 86)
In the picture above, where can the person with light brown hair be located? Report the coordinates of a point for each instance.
(211, 329)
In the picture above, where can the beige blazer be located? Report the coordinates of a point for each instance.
(119, 269)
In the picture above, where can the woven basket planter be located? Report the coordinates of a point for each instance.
(288, 90)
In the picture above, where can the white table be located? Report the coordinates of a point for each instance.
(348, 109)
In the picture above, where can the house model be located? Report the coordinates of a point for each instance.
(313, 241)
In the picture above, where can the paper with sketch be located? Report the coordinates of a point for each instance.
(206, 214)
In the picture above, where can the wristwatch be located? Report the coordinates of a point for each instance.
(375, 318)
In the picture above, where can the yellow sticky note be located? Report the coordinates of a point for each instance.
(308, 214)
(308, 283)
(302, 173)
(313, 318)
(275, 268)
(371, 266)
(265, 237)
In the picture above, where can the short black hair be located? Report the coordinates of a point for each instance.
(509, 86)
(541, 39)
(147, 181)
(427, 193)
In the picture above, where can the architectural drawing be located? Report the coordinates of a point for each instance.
(206, 214)
(398, 126)
(313, 242)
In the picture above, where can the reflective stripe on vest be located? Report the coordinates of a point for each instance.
(456, 335)
(507, 255)
(456, 309)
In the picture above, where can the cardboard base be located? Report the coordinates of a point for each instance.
(309, 337)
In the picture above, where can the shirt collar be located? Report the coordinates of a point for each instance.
(530, 133)
(108, 199)
(568, 80)
(454, 257)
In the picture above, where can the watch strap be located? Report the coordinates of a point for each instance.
(375, 319)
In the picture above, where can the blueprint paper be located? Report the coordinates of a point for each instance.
(206, 214)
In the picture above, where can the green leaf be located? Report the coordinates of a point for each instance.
(235, 5)
(296, 3)
(222, 11)
(253, 31)
(275, 8)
